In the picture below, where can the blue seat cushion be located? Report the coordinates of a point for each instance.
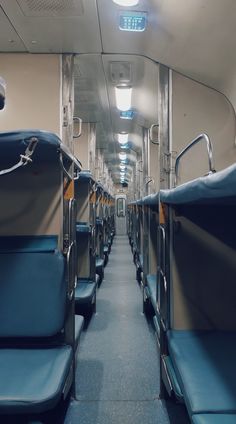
(28, 244)
(141, 260)
(204, 362)
(32, 294)
(152, 287)
(214, 419)
(79, 323)
(32, 380)
(99, 263)
(82, 228)
(85, 291)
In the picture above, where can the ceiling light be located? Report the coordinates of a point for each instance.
(122, 156)
(122, 138)
(127, 3)
(128, 114)
(123, 97)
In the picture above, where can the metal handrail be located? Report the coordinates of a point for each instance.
(79, 120)
(163, 233)
(70, 286)
(151, 134)
(196, 140)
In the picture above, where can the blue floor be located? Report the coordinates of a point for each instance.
(117, 375)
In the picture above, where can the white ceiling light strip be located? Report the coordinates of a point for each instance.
(123, 97)
(122, 138)
(126, 3)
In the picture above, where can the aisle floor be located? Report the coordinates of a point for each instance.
(117, 375)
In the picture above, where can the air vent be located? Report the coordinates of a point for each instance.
(51, 8)
(121, 72)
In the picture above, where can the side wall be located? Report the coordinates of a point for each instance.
(198, 109)
(33, 95)
(203, 268)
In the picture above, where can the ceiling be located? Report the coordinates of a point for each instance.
(194, 37)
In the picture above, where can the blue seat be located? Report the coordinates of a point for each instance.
(82, 228)
(141, 261)
(138, 260)
(33, 298)
(106, 254)
(99, 264)
(32, 380)
(79, 323)
(32, 294)
(152, 288)
(204, 363)
(214, 419)
(85, 292)
(100, 269)
(105, 249)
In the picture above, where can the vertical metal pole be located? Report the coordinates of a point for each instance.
(145, 210)
(164, 155)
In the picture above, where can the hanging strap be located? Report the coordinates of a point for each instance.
(24, 159)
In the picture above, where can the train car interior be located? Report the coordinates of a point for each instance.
(118, 200)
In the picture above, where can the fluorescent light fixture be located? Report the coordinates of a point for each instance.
(122, 138)
(123, 97)
(126, 3)
(122, 167)
(122, 156)
(128, 114)
(124, 146)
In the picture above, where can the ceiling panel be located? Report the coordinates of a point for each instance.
(9, 39)
(55, 26)
(144, 81)
(91, 100)
(51, 8)
(194, 37)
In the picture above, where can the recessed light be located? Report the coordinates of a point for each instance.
(122, 138)
(123, 97)
(126, 3)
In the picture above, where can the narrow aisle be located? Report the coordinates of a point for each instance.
(117, 373)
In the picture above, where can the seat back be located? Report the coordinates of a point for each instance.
(32, 287)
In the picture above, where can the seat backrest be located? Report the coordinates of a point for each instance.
(32, 287)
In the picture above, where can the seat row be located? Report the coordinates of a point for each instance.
(40, 262)
(184, 243)
(94, 235)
